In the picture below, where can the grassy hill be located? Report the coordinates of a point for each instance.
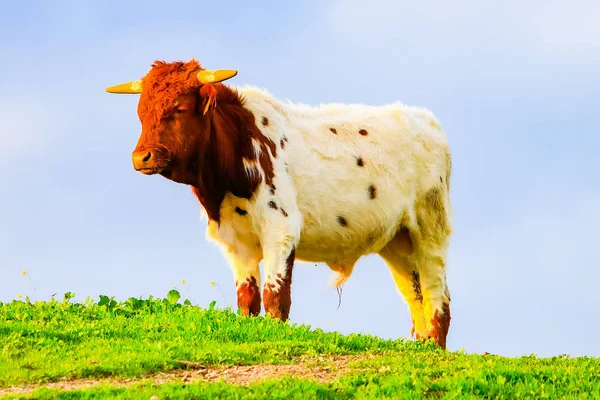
(166, 348)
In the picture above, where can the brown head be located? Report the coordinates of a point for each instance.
(174, 109)
(196, 131)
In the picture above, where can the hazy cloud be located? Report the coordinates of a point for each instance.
(487, 43)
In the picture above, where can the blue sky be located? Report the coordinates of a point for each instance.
(516, 87)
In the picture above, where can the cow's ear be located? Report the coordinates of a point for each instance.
(208, 94)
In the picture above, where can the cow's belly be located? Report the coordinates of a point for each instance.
(348, 219)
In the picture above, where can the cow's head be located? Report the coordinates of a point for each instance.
(174, 103)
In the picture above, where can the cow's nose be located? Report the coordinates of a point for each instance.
(141, 159)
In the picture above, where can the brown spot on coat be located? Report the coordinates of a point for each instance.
(360, 162)
(372, 192)
(363, 132)
(241, 211)
(273, 205)
(265, 121)
(333, 130)
(342, 221)
(285, 214)
(282, 143)
(416, 282)
(267, 164)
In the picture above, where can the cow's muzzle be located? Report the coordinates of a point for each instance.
(148, 161)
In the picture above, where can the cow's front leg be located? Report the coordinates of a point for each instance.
(277, 293)
(246, 274)
(279, 251)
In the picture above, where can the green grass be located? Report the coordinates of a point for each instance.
(44, 341)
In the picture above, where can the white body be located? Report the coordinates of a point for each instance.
(404, 156)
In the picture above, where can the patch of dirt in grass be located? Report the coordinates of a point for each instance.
(321, 369)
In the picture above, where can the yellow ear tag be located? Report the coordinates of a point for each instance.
(206, 107)
(210, 93)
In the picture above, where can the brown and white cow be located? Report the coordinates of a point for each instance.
(281, 182)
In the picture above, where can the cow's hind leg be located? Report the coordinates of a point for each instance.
(431, 247)
(396, 254)
(436, 297)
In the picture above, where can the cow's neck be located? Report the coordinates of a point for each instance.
(221, 167)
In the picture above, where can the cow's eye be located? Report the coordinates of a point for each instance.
(180, 111)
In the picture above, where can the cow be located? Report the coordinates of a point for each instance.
(281, 182)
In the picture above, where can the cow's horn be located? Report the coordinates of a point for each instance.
(134, 87)
(214, 76)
